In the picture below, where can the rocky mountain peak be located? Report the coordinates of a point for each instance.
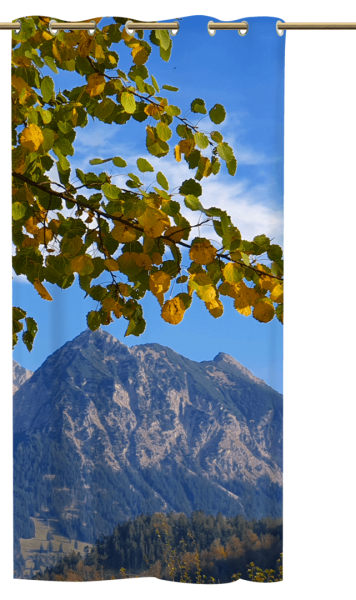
(19, 376)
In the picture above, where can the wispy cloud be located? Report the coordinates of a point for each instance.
(249, 200)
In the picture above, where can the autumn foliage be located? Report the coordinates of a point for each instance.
(123, 241)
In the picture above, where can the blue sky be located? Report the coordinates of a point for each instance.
(246, 75)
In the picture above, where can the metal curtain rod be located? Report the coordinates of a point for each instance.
(242, 27)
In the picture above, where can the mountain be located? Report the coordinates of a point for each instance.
(19, 376)
(103, 433)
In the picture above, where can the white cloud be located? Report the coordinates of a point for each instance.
(249, 204)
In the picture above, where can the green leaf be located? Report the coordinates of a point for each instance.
(28, 336)
(183, 224)
(198, 106)
(182, 279)
(233, 273)
(111, 191)
(93, 320)
(128, 102)
(143, 165)
(162, 181)
(155, 145)
(274, 252)
(50, 62)
(171, 208)
(164, 39)
(190, 186)
(201, 140)
(232, 166)
(225, 222)
(225, 151)
(47, 88)
(18, 313)
(119, 162)
(279, 312)
(216, 136)
(163, 131)
(217, 114)
(262, 240)
(136, 328)
(192, 202)
(155, 84)
(172, 111)
(98, 293)
(99, 161)
(170, 88)
(18, 211)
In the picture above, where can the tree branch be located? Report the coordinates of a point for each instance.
(69, 198)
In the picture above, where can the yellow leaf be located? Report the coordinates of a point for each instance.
(85, 45)
(186, 146)
(19, 159)
(202, 253)
(27, 242)
(175, 233)
(157, 258)
(153, 110)
(74, 117)
(159, 284)
(124, 233)
(96, 84)
(228, 289)
(124, 289)
(82, 264)
(139, 54)
(41, 290)
(207, 294)
(202, 284)
(111, 264)
(173, 311)
(142, 260)
(148, 244)
(265, 282)
(263, 311)
(44, 235)
(108, 304)
(99, 52)
(177, 154)
(205, 168)
(32, 224)
(127, 37)
(154, 222)
(22, 88)
(277, 293)
(215, 308)
(31, 137)
(233, 273)
(245, 298)
(117, 310)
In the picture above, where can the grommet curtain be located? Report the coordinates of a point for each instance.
(147, 212)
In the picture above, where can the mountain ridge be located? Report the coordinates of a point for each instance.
(148, 429)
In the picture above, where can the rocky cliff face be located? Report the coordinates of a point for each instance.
(19, 376)
(127, 430)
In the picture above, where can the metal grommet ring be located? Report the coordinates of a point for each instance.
(129, 31)
(91, 32)
(211, 31)
(279, 31)
(50, 27)
(241, 31)
(18, 31)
